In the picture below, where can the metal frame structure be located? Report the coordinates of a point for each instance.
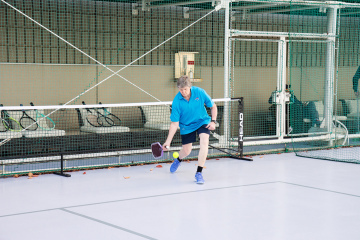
(330, 8)
(250, 7)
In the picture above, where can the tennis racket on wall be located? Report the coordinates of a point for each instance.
(96, 119)
(8, 123)
(50, 124)
(115, 119)
(27, 122)
(103, 119)
(3, 125)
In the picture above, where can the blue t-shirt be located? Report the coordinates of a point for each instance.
(191, 114)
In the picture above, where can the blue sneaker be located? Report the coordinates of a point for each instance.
(174, 166)
(199, 178)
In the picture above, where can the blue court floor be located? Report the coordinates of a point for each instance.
(278, 196)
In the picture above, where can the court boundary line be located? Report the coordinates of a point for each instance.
(137, 198)
(107, 224)
(178, 193)
(321, 189)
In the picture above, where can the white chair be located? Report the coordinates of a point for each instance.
(353, 109)
(43, 129)
(5, 133)
(87, 127)
(319, 105)
(340, 132)
(157, 117)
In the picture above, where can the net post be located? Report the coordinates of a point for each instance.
(241, 128)
(61, 173)
(240, 151)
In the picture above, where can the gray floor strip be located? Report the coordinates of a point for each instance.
(107, 224)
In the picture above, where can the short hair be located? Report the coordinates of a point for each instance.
(183, 81)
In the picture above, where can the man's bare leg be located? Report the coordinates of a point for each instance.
(204, 148)
(185, 150)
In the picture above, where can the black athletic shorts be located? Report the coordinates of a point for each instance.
(191, 137)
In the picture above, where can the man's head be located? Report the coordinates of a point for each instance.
(183, 81)
(184, 85)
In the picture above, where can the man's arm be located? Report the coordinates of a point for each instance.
(172, 130)
(214, 112)
(212, 125)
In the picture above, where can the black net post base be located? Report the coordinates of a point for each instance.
(61, 173)
(238, 157)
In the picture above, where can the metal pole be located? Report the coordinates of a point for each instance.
(329, 69)
(281, 85)
(226, 68)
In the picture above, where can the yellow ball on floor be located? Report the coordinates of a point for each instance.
(175, 154)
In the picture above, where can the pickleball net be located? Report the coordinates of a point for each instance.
(82, 139)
